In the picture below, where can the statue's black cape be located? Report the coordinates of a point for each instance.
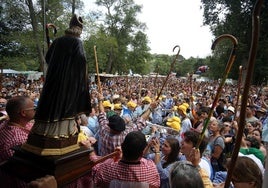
(65, 92)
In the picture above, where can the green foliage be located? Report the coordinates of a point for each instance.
(120, 22)
(104, 44)
(235, 17)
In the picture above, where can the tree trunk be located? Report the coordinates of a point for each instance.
(110, 61)
(73, 7)
(35, 36)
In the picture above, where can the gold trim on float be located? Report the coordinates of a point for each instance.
(49, 151)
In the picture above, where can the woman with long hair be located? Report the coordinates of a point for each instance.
(164, 156)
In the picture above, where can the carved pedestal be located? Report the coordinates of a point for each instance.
(66, 168)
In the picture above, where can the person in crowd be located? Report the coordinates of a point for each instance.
(156, 116)
(202, 115)
(262, 115)
(246, 173)
(230, 113)
(228, 132)
(250, 115)
(129, 166)
(15, 131)
(257, 133)
(220, 109)
(252, 147)
(113, 129)
(108, 108)
(82, 135)
(195, 107)
(116, 99)
(3, 103)
(84, 126)
(186, 124)
(216, 146)
(249, 128)
(163, 156)
(3, 113)
(93, 124)
(134, 98)
(185, 175)
(145, 103)
(118, 109)
(128, 114)
(189, 142)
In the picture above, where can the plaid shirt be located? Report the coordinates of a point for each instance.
(11, 136)
(144, 171)
(109, 141)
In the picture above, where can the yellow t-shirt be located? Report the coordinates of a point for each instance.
(81, 136)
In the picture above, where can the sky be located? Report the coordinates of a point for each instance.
(175, 22)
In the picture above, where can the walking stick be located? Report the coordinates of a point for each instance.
(47, 32)
(97, 70)
(238, 90)
(227, 70)
(171, 68)
(250, 68)
(156, 75)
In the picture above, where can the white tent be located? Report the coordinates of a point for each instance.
(9, 71)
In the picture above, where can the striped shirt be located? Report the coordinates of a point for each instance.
(109, 141)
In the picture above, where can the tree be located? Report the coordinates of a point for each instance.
(120, 22)
(235, 17)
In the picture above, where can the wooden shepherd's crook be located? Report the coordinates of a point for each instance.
(227, 70)
(97, 70)
(250, 68)
(171, 68)
(48, 26)
(238, 90)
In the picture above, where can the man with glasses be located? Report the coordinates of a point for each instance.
(21, 111)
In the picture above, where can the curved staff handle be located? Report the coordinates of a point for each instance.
(97, 70)
(227, 70)
(250, 68)
(50, 25)
(171, 68)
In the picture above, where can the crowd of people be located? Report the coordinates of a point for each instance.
(160, 136)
